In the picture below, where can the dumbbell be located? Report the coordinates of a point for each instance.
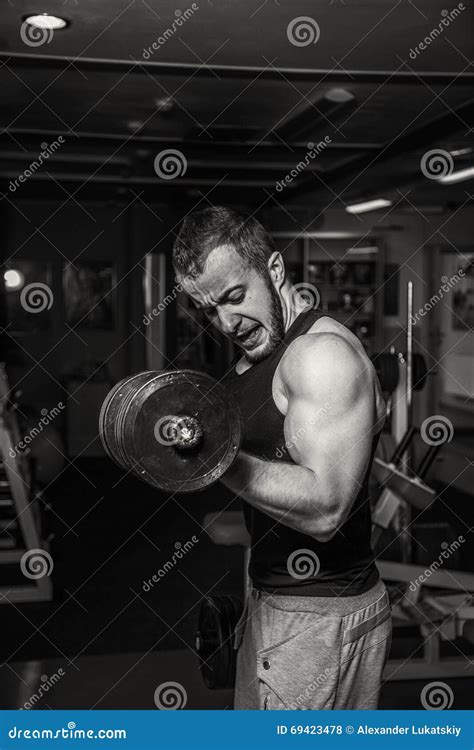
(179, 431)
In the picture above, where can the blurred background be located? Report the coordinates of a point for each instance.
(346, 128)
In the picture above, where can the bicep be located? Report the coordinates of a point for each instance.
(330, 432)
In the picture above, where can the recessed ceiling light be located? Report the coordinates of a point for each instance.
(45, 21)
(134, 124)
(360, 208)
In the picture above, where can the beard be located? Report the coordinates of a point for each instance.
(275, 330)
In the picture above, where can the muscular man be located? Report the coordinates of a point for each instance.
(317, 629)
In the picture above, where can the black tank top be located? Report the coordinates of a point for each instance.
(346, 562)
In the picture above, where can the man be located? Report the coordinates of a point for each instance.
(317, 625)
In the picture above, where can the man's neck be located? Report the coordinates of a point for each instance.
(292, 305)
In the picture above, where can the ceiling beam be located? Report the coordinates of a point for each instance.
(246, 72)
(344, 178)
(122, 181)
(199, 146)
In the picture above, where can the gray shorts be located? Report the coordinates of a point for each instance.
(312, 652)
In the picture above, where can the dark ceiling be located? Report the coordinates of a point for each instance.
(234, 89)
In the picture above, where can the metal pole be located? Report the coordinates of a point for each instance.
(405, 511)
(409, 384)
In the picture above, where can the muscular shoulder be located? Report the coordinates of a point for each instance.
(326, 361)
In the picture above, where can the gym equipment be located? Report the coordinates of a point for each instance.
(214, 643)
(399, 485)
(440, 617)
(20, 518)
(224, 528)
(47, 452)
(387, 366)
(419, 600)
(179, 431)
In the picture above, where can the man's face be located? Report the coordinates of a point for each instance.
(238, 301)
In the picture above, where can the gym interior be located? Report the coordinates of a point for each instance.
(346, 128)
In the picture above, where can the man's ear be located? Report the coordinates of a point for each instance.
(276, 269)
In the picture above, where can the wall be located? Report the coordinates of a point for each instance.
(62, 233)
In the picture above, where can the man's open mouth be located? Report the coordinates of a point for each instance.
(249, 338)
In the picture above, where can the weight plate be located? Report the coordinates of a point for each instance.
(213, 631)
(108, 415)
(235, 609)
(420, 372)
(387, 369)
(218, 618)
(162, 449)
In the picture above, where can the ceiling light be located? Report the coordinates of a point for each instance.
(13, 279)
(329, 235)
(338, 95)
(164, 104)
(370, 250)
(460, 176)
(461, 151)
(360, 208)
(45, 21)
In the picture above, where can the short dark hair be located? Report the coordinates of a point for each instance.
(202, 231)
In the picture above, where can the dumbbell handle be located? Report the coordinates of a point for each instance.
(184, 431)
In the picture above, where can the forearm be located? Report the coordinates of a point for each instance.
(289, 493)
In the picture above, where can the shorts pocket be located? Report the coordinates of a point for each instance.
(300, 670)
(271, 701)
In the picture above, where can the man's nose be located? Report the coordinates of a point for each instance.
(228, 322)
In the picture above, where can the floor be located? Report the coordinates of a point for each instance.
(130, 681)
(115, 639)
